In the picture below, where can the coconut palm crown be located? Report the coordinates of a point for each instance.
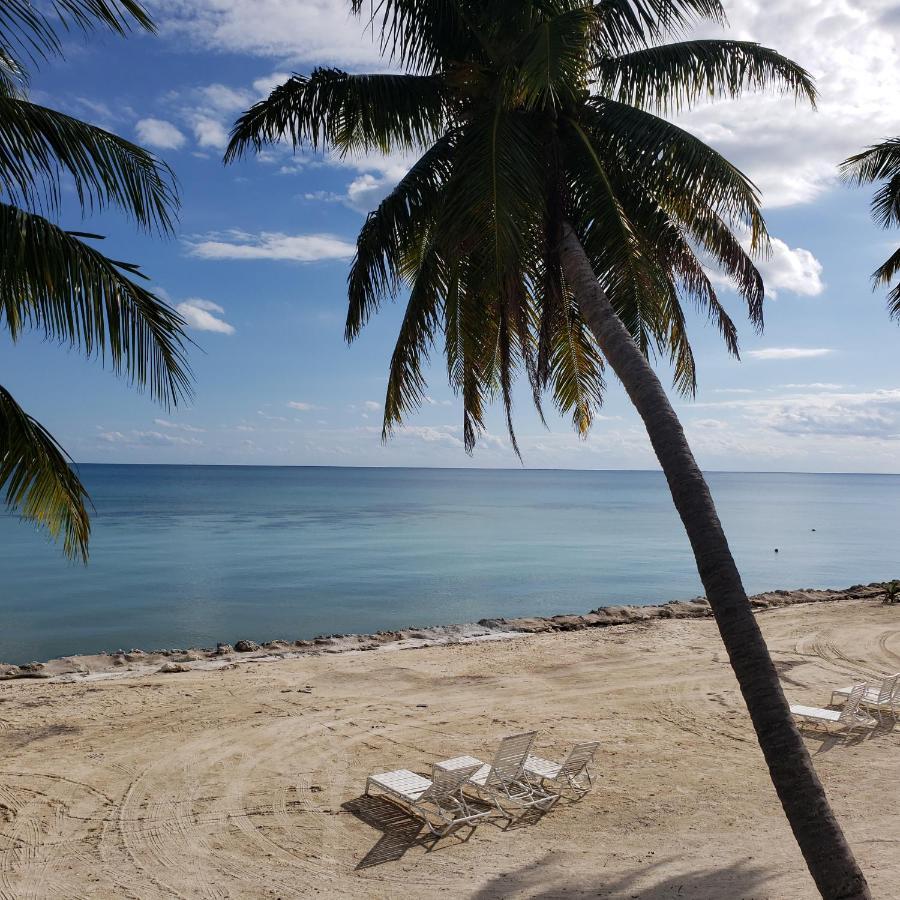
(55, 281)
(525, 115)
(881, 162)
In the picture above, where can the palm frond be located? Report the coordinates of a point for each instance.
(885, 274)
(552, 60)
(880, 162)
(375, 272)
(36, 143)
(421, 35)
(676, 167)
(628, 24)
(34, 31)
(52, 281)
(331, 108)
(671, 77)
(424, 309)
(38, 481)
(576, 368)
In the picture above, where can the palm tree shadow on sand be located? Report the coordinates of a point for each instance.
(739, 881)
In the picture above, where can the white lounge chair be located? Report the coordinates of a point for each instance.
(884, 697)
(850, 716)
(504, 779)
(440, 797)
(573, 770)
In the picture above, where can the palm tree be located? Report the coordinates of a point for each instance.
(54, 280)
(881, 162)
(554, 223)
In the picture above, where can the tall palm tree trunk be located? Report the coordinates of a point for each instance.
(828, 856)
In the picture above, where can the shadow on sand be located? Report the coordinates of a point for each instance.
(400, 830)
(740, 881)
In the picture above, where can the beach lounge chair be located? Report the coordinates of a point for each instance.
(850, 716)
(884, 697)
(573, 770)
(504, 781)
(441, 797)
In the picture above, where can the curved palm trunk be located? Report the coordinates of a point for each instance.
(828, 856)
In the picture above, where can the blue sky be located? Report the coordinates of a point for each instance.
(259, 263)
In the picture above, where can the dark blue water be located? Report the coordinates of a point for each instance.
(185, 555)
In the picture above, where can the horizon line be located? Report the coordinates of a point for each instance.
(472, 468)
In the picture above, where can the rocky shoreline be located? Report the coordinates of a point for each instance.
(143, 662)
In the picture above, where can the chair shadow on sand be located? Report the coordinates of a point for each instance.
(535, 880)
(845, 738)
(401, 830)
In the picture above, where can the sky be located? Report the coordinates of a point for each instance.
(258, 264)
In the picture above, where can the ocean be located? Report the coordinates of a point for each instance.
(190, 555)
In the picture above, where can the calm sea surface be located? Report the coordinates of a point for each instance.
(187, 555)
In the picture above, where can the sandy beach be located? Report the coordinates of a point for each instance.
(246, 781)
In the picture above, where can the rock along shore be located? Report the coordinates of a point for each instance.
(143, 662)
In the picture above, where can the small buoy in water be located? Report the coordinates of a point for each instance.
(776, 549)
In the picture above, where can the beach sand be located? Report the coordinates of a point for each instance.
(247, 781)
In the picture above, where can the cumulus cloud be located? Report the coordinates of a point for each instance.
(372, 405)
(791, 269)
(271, 245)
(788, 352)
(160, 134)
(204, 315)
(784, 269)
(210, 132)
(788, 150)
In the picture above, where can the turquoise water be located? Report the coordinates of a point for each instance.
(191, 555)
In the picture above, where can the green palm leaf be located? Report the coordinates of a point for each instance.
(391, 230)
(33, 30)
(673, 76)
(38, 481)
(628, 24)
(52, 281)
(331, 108)
(877, 163)
(36, 143)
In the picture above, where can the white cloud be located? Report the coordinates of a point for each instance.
(816, 386)
(159, 133)
(301, 406)
(372, 405)
(136, 438)
(790, 151)
(788, 352)
(320, 31)
(210, 132)
(783, 269)
(795, 270)
(165, 423)
(201, 314)
(872, 414)
(430, 434)
(272, 245)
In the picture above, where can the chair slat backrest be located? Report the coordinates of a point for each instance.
(446, 782)
(580, 756)
(888, 688)
(853, 700)
(510, 757)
